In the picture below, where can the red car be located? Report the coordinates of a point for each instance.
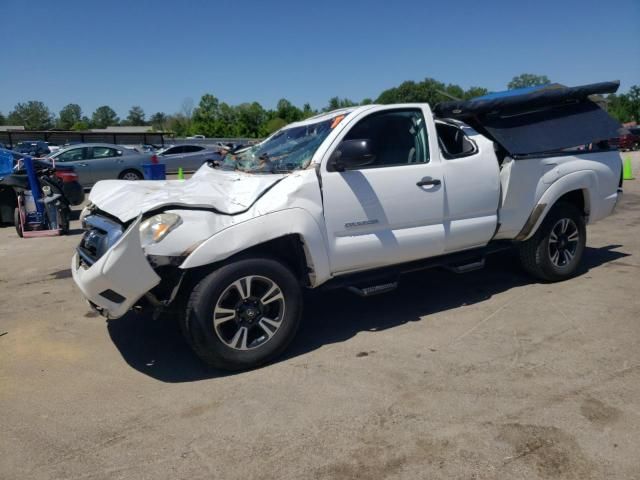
(630, 141)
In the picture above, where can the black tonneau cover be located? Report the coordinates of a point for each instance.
(544, 119)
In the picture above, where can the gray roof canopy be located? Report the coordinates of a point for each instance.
(544, 119)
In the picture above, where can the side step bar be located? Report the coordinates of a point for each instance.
(466, 267)
(373, 289)
(380, 280)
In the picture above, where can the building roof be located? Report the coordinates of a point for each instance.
(123, 129)
(5, 128)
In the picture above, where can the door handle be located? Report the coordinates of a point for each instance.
(428, 181)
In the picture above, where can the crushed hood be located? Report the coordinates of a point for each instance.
(227, 192)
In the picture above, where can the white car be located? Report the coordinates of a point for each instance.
(351, 198)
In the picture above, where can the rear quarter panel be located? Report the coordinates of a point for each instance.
(527, 183)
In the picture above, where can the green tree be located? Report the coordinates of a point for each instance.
(104, 116)
(2, 119)
(307, 111)
(455, 91)
(69, 116)
(251, 116)
(337, 102)
(81, 125)
(287, 111)
(34, 115)
(178, 124)
(634, 100)
(227, 122)
(366, 101)
(135, 116)
(274, 124)
(473, 92)
(527, 80)
(158, 121)
(206, 116)
(428, 91)
(625, 107)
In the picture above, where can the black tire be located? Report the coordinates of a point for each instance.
(537, 254)
(218, 287)
(16, 222)
(129, 174)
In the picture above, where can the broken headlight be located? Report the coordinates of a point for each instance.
(155, 228)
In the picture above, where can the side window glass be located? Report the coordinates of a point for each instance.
(193, 149)
(73, 155)
(397, 137)
(174, 150)
(103, 152)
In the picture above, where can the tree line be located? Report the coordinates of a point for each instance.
(214, 118)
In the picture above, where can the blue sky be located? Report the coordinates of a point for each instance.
(157, 53)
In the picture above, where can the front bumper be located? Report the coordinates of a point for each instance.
(119, 278)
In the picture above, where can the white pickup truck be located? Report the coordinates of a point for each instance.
(351, 198)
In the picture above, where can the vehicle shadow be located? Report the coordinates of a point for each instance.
(156, 347)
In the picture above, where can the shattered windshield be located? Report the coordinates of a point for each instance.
(289, 149)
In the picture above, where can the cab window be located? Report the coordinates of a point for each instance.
(454, 143)
(397, 137)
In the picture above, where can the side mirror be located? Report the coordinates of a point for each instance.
(351, 154)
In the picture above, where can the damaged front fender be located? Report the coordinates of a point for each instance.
(255, 231)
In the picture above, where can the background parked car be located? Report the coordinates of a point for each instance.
(53, 148)
(35, 148)
(102, 161)
(629, 141)
(189, 157)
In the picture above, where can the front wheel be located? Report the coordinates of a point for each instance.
(244, 314)
(554, 252)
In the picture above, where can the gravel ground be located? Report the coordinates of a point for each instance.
(487, 375)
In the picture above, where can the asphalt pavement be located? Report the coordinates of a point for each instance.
(487, 375)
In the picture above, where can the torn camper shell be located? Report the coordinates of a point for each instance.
(538, 120)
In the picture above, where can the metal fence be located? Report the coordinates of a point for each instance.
(59, 137)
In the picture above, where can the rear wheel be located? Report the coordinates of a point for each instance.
(130, 175)
(244, 314)
(554, 252)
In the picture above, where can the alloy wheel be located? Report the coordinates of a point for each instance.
(563, 242)
(249, 312)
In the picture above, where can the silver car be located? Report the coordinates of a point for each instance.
(189, 157)
(102, 161)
